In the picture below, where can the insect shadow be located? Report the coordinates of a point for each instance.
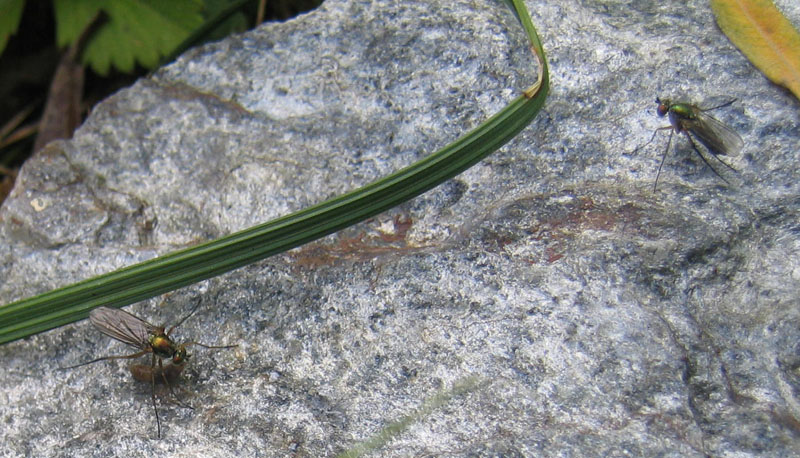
(692, 121)
(147, 338)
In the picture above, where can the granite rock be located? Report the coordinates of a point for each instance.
(544, 303)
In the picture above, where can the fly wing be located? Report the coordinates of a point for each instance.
(122, 326)
(715, 135)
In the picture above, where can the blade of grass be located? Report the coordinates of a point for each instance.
(401, 425)
(166, 273)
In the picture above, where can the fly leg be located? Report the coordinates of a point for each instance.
(697, 150)
(715, 156)
(171, 391)
(652, 137)
(135, 355)
(663, 156)
(153, 391)
(720, 106)
(191, 312)
(209, 346)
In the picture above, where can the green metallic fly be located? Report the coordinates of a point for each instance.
(147, 338)
(718, 138)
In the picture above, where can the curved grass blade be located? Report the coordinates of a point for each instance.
(169, 272)
(395, 428)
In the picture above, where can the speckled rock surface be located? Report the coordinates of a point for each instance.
(544, 303)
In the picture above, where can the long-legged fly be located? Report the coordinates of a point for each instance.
(146, 338)
(688, 119)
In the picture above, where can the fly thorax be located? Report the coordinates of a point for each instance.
(162, 346)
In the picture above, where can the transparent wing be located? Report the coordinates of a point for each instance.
(715, 135)
(122, 326)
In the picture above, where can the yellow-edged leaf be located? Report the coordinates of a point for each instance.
(765, 36)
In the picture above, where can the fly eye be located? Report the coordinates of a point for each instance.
(180, 356)
(662, 110)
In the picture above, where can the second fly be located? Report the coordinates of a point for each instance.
(146, 338)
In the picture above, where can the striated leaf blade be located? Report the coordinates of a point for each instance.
(765, 36)
(147, 279)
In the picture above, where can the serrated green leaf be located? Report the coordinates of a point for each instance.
(105, 50)
(10, 14)
(140, 31)
(72, 17)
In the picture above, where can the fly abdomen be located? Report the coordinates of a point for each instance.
(156, 374)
